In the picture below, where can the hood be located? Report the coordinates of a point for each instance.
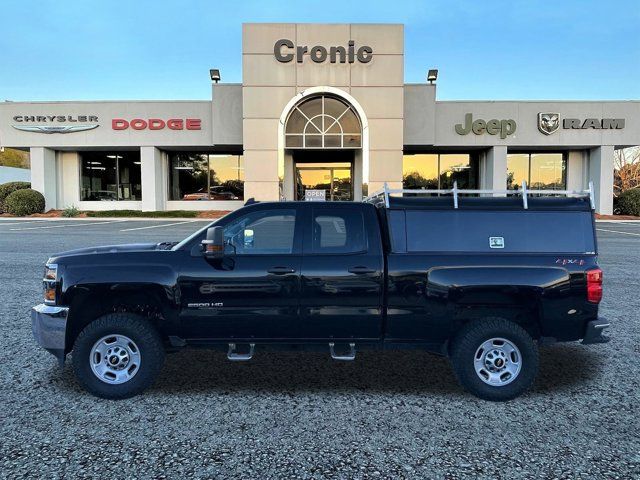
(129, 247)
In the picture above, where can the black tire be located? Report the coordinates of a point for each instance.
(468, 341)
(147, 341)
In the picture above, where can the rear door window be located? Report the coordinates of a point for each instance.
(338, 230)
(498, 231)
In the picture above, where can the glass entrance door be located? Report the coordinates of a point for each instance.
(335, 179)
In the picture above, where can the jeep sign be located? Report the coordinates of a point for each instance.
(504, 128)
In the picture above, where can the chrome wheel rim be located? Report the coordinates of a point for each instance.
(497, 362)
(115, 359)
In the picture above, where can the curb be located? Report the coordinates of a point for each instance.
(175, 219)
(617, 221)
(94, 219)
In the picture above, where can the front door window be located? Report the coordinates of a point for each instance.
(265, 232)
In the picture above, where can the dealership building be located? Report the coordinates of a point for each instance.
(322, 112)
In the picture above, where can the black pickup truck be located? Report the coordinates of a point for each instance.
(482, 280)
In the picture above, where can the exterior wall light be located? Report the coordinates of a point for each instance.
(215, 75)
(432, 75)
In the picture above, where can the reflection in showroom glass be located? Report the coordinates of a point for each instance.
(542, 171)
(197, 176)
(434, 171)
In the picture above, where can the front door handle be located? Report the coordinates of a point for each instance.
(281, 270)
(360, 269)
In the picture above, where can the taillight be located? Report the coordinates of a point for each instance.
(594, 285)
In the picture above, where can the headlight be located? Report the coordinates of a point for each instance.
(50, 283)
(51, 271)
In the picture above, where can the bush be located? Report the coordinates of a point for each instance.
(70, 212)
(24, 202)
(7, 188)
(628, 203)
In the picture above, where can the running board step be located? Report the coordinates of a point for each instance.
(349, 357)
(240, 357)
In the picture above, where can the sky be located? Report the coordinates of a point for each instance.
(155, 50)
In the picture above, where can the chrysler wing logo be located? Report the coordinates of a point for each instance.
(54, 128)
(548, 122)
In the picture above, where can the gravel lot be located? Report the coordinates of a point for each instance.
(287, 415)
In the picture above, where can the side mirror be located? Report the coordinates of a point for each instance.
(213, 244)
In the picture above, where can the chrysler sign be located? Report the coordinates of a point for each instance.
(51, 123)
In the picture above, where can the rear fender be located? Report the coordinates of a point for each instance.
(520, 294)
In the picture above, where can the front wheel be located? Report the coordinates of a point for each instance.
(494, 359)
(118, 356)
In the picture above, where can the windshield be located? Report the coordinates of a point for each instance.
(184, 242)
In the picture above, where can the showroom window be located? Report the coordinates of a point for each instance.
(197, 176)
(434, 171)
(110, 176)
(542, 171)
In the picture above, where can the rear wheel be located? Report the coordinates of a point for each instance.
(494, 359)
(118, 356)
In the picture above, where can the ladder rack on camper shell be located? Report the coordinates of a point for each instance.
(385, 192)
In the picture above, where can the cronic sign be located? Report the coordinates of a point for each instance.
(286, 51)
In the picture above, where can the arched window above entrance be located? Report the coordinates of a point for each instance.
(324, 122)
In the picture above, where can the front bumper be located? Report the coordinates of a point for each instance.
(593, 332)
(49, 325)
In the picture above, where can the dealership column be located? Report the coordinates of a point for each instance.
(153, 184)
(601, 174)
(495, 168)
(43, 174)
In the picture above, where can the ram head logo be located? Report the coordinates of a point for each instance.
(548, 122)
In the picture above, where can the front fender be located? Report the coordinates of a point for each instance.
(140, 282)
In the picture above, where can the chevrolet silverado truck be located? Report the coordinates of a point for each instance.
(482, 280)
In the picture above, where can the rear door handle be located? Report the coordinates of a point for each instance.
(359, 270)
(281, 270)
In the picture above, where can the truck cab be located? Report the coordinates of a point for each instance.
(288, 271)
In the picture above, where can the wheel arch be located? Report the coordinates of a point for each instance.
(526, 317)
(90, 302)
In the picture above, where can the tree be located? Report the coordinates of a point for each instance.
(626, 164)
(415, 181)
(14, 158)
